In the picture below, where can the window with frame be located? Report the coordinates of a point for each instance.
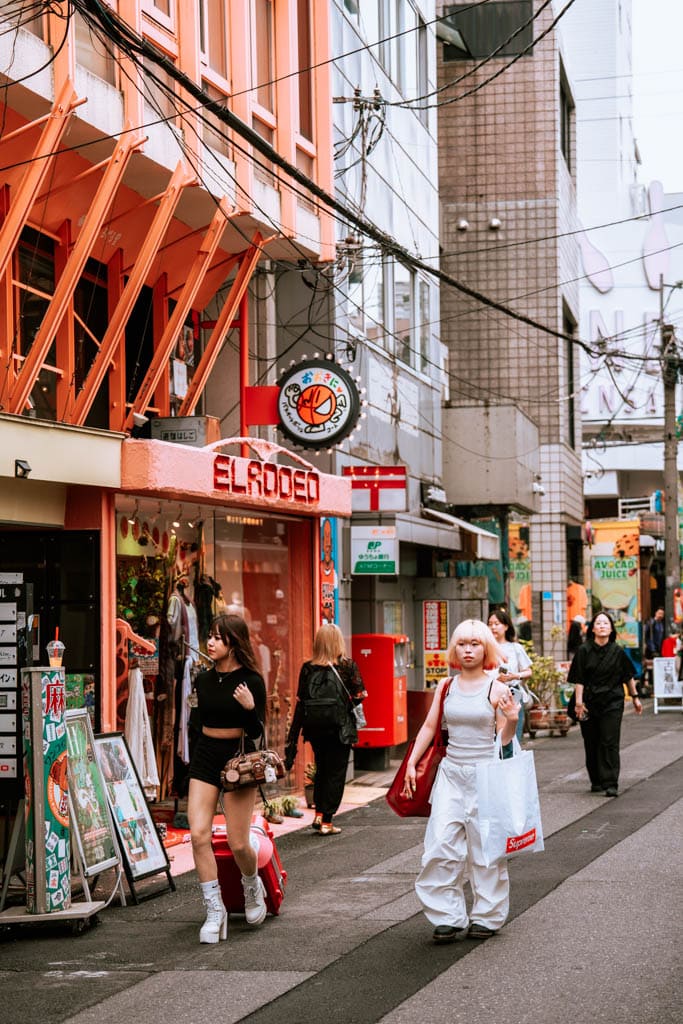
(423, 70)
(159, 91)
(91, 52)
(214, 131)
(424, 323)
(34, 289)
(384, 25)
(569, 328)
(162, 11)
(404, 312)
(406, 48)
(366, 295)
(264, 56)
(566, 120)
(304, 64)
(484, 27)
(213, 36)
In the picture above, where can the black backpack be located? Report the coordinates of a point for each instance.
(323, 707)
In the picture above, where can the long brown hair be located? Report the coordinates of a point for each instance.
(328, 646)
(234, 633)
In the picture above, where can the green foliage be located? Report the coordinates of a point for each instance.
(546, 678)
(141, 591)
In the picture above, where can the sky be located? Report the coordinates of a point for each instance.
(658, 90)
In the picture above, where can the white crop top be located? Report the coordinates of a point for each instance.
(470, 720)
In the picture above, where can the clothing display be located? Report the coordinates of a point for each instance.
(138, 734)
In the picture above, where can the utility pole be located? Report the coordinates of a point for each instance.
(670, 363)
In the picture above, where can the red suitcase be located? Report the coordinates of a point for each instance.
(273, 875)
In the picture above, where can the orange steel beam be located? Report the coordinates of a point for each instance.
(239, 286)
(64, 290)
(193, 281)
(38, 167)
(148, 251)
(54, 190)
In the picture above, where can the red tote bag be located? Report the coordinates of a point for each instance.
(418, 806)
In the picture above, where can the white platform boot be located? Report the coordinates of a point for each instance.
(216, 925)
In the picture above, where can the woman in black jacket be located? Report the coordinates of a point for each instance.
(329, 686)
(599, 672)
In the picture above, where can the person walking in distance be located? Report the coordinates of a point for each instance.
(231, 705)
(599, 672)
(329, 686)
(476, 705)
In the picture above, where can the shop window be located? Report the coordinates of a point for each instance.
(404, 313)
(213, 35)
(264, 57)
(485, 27)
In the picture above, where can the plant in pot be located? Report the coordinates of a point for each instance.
(309, 779)
(546, 712)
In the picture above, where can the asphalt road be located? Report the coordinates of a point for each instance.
(594, 933)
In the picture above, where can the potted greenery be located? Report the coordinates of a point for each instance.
(545, 682)
(309, 778)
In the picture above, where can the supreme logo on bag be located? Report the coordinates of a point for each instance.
(515, 843)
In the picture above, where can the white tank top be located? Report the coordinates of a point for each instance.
(470, 720)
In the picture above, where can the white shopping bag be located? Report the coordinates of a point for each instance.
(509, 809)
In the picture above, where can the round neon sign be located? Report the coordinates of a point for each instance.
(318, 404)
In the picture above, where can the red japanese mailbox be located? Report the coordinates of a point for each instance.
(382, 659)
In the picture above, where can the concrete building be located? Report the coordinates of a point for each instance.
(507, 172)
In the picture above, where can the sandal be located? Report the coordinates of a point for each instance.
(317, 822)
(328, 829)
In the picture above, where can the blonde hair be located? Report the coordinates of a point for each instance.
(474, 629)
(328, 645)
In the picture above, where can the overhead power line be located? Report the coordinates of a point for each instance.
(121, 34)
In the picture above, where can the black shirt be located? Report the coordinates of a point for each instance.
(603, 671)
(217, 706)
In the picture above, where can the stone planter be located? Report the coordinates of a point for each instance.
(308, 794)
(553, 719)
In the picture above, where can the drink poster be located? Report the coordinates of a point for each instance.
(615, 575)
(91, 819)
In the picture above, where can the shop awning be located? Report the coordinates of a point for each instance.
(480, 543)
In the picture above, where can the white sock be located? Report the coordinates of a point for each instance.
(211, 890)
(250, 879)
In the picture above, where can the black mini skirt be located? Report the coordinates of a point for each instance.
(209, 756)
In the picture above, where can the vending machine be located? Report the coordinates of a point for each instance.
(382, 660)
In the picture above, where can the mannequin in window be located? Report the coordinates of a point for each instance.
(236, 607)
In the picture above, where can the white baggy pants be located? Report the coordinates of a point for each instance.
(452, 856)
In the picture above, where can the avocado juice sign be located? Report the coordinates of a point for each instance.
(615, 590)
(374, 551)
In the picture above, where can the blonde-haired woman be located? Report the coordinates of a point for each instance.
(329, 685)
(477, 705)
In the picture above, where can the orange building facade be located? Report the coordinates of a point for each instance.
(139, 232)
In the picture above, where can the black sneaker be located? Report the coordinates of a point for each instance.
(447, 933)
(611, 791)
(480, 931)
(596, 789)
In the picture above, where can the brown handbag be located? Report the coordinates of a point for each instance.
(418, 805)
(255, 768)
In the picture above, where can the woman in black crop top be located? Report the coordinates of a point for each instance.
(231, 704)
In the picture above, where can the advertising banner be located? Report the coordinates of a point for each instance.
(520, 572)
(615, 576)
(435, 640)
(48, 847)
(329, 580)
(374, 551)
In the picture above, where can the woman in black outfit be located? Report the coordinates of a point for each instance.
(599, 672)
(329, 672)
(231, 705)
